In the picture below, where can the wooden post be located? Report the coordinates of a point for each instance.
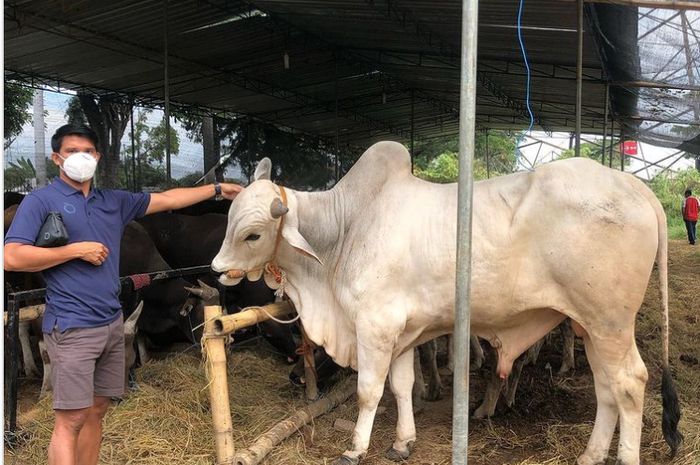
(215, 351)
(227, 324)
(218, 386)
(285, 428)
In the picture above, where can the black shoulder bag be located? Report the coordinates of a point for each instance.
(53, 232)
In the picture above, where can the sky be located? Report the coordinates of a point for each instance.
(189, 158)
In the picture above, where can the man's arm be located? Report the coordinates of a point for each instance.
(25, 257)
(175, 199)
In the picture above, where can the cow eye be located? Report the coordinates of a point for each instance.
(252, 237)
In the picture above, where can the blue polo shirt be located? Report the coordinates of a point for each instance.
(79, 294)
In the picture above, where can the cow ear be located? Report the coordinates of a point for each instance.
(292, 235)
(263, 170)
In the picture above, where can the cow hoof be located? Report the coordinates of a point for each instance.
(434, 393)
(583, 460)
(397, 455)
(296, 380)
(345, 460)
(481, 414)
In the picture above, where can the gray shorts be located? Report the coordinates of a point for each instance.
(86, 362)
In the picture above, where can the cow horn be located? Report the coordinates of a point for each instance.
(278, 209)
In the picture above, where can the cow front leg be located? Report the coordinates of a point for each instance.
(30, 368)
(373, 366)
(401, 377)
(46, 382)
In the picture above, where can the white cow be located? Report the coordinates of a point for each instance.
(370, 267)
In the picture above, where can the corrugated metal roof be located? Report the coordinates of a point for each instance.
(380, 61)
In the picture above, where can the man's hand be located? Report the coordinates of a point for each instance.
(230, 190)
(91, 252)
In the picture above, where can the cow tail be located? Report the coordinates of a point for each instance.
(669, 395)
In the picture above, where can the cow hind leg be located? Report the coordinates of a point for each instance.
(419, 392)
(428, 356)
(620, 378)
(401, 379)
(567, 355)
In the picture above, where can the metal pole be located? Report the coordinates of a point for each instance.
(12, 338)
(622, 151)
(467, 124)
(39, 139)
(413, 115)
(133, 149)
(337, 129)
(166, 84)
(579, 77)
(612, 141)
(488, 157)
(605, 124)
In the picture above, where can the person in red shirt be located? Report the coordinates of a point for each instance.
(690, 209)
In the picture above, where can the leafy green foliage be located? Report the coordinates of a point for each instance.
(669, 189)
(436, 160)
(595, 152)
(18, 99)
(299, 161)
(75, 114)
(150, 147)
(19, 174)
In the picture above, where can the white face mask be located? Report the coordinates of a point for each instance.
(80, 166)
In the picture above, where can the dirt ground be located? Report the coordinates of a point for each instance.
(168, 420)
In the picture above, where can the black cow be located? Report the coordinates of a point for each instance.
(164, 301)
(186, 241)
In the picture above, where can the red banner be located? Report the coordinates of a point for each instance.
(629, 147)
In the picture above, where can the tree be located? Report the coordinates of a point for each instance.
(18, 99)
(108, 118)
(669, 188)
(150, 146)
(436, 160)
(299, 161)
(19, 174)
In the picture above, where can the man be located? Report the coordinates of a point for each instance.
(689, 208)
(83, 327)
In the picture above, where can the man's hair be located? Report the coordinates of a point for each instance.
(69, 130)
(688, 193)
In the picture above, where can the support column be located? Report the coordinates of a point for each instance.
(413, 116)
(488, 157)
(579, 76)
(467, 125)
(612, 142)
(605, 124)
(166, 93)
(133, 150)
(39, 139)
(211, 149)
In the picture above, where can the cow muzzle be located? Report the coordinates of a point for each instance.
(232, 277)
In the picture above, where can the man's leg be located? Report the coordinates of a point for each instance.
(689, 230)
(64, 440)
(693, 225)
(90, 436)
